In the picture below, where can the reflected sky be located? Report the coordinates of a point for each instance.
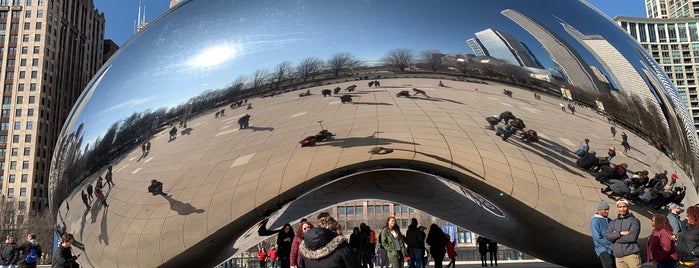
(208, 44)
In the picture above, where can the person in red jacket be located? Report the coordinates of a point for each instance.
(273, 256)
(661, 249)
(262, 257)
(451, 252)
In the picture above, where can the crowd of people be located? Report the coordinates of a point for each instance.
(323, 245)
(511, 126)
(673, 242)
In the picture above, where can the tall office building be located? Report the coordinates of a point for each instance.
(670, 35)
(49, 51)
(503, 46)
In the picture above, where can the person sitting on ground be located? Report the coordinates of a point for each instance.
(505, 132)
(617, 188)
(506, 116)
(587, 160)
(530, 136)
(441, 84)
(518, 124)
(493, 120)
(156, 188)
(614, 172)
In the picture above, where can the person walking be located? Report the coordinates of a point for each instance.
(598, 227)
(30, 251)
(451, 252)
(83, 196)
(273, 256)
(416, 244)
(623, 233)
(108, 177)
(63, 256)
(393, 241)
(625, 143)
(99, 194)
(156, 188)
(612, 129)
(661, 249)
(483, 249)
(89, 192)
(438, 244)
(688, 239)
(284, 241)
(9, 252)
(493, 252)
(295, 256)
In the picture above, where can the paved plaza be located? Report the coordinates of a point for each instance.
(218, 174)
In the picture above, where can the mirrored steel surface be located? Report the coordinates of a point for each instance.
(168, 107)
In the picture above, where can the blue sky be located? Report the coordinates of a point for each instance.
(122, 14)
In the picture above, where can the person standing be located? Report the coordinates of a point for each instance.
(295, 256)
(438, 244)
(284, 241)
(613, 130)
(451, 252)
(381, 257)
(483, 249)
(688, 240)
(324, 248)
(661, 249)
(625, 143)
(99, 194)
(89, 192)
(83, 195)
(108, 177)
(623, 233)
(9, 252)
(30, 252)
(63, 256)
(262, 257)
(416, 244)
(674, 218)
(273, 256)
(598, 227)
(493, 251)
(393, 241)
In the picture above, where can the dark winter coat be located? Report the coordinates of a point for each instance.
(284, 247)
(26, 248)
(624, 245)
(323, 248)
(10, 255)
(688, 244)
(63, 257)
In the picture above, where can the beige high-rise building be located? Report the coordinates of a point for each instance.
(49, 51)
(672, 8)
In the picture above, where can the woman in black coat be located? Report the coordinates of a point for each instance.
(687, 244)
(438, 244)
(323, 248)
(284, 240)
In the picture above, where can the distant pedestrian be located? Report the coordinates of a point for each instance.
(89, 192)
(262, 257)
(273, 256)
(173, 133)
(148, 147)
(613, 130)
(563, 108)
(623, 233)
(99, 194)
(598, 227)
(571, 107)
(83, 195)
(156, 188)
(493, 252)
(625, 143)
(611, 153)
(108, 177)
(451, 252)
(99, 182)
(419, 91)
(438, 245)
(483, 249)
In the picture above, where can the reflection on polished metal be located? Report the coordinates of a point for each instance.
(213, 98)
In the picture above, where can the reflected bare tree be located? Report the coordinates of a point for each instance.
(259, 78)
(282, 72)
(431, 58)
(309, 67)
(340, 62)
(399, 58)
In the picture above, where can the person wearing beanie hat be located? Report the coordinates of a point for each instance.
(623, 233)
(598, 227)
(674, 218)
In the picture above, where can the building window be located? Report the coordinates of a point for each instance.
(5, 112)
(35, 62)
(27, 25)
(25, 37)
(38, 26)
(11, 178)
(13, 165)
(30, 112)
(15, 26)
(27, 151)
(32, 99)
(32, 87)
(24, 178)
(16, 2)
(23, 191)
(28, 14)
(18, 112)
(4, 125)
(13, 152)
(30, 125)
(8, 88)
(20, 87)
(25, 164)
(22, 74)
(37, 37)
(40, 2)
(34, 74)
(20, 100)
(2, 152)
(16, 14)
(3, 138)
(5, 3)
(29, 3)
(36, 50)
(23, 62)
(28, 138)
(15, 138)
(18, 125)
(10, 62)
(9, 75)
(39, 13)
(3, 14)
(10, 192)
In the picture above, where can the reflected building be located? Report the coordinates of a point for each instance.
(51, 50)
(671, 8)
(674, 45)
(576, 71)
(502, 46)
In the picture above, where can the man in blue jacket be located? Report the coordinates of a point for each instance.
(623, 233)
(598, 226)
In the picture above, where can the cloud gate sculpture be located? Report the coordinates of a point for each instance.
(248, 111)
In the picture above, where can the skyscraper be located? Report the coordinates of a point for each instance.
(503, 46)
(49, 51)
(670, 35)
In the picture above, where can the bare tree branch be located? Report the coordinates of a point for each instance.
(309, 67)
(341, 61)
(432, 58)
(400, 58)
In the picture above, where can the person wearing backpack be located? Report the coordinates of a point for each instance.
(31, 250)
(9, 253)
(63, 256)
